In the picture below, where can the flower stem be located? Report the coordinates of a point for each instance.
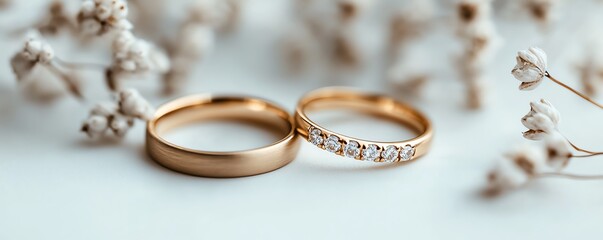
(581, 149)
(548, 75)
(570, 176)
(69, 82)
(80, 65)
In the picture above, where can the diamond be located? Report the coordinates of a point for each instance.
(332, 144)
(390, 153)
(316, 137)
(352, 149)
(370, 153)
(407, 152)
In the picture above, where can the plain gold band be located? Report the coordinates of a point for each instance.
(221, 164)
(338, 97)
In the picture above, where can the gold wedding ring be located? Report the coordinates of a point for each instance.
(198, 108)
(360, 149)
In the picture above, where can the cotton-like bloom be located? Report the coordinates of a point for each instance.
(104, 109)
(101, 16)
(516, 168)
(558, 151)
(531, 67)
(120, 125)
(542, 119)
(132, 104)
(131, 54)
(117, 116)
(95, 126)
(34, 51)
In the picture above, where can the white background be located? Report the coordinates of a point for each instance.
(57, 184)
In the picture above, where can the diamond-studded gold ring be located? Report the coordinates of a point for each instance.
(359, 149)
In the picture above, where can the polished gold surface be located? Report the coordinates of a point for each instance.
(338, 98)
(198, 108)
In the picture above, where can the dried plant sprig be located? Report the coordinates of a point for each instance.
(97, 17)
(520, 166)
(55, 19)
(590, 73)
(131, 56)
(117, 117)
(531, 68)
(195, 40)
(407, 24)
(542, 121)
(475, 30)
(515, 169)
(37, 52)
(542, 10)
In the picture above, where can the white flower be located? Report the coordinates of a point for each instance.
(531, 67)
(543, 118)
(95, 126)
(132, 54)
(132, 104)
(120, 125)
(516, 168)
(34, 51)
(104, 109)
(99, 16)
(117, 116)
(558, 151)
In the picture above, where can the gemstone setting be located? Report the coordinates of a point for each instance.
(370, 153)
(351, 149)
(390, 153)
(316, 137)
(407, 152)
(332, 144)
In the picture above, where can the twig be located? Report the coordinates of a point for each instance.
(548, 75)
(570, 176)
(80, 65)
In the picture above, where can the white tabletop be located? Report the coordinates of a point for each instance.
(57, 184)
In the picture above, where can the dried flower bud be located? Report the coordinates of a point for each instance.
(542, 119)
(131, 54)
(531, 68)
(101, 16)
(120, 125)
(558, 151)
(515, 169)
(34, 51)
(132, 104)
(104, 109)
(118, 117)
(95, 126)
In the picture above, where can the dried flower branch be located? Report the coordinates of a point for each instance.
(475, 29)
(542, 10)
(37, 52)
(515, 169)
(97, 17)
(117, 117)
(591, 74)
(194, 41)
(522, 165)
(531, 68)
(132, 56)
(56, 19)
(407, 24)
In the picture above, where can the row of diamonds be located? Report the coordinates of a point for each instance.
(353, 149)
